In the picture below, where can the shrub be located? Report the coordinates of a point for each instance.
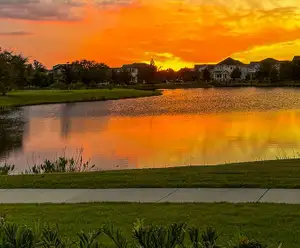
(173, 236)
(6, 169)
(77, 86)
(62, 164)
(59, 86)
(93, 85)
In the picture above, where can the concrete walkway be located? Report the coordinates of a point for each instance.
(289, 196)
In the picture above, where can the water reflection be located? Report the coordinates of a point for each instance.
(183, 127)
(11, 132)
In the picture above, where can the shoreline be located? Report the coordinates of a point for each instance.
(74, 96)
(259, 174)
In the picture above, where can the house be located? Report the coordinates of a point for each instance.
(296, 58)
(136, 69)
(274, 63)
(57, 69)
(199, 69)
(223, 70)
(133, 69)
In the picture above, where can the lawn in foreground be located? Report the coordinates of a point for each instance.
(268, 223)
(32, 97)
(263, 174)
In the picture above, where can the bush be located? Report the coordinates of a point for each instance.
(59, 86)
(77, 86)
(6, 169)
(93, 85)
(173, 236)
(62, 164)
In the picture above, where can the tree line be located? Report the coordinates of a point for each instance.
(16, 72)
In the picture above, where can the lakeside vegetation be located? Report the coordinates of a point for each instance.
(262, 174)
(268, 223)
(144, 236)
(17, 73)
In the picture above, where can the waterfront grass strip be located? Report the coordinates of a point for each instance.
(263, 174)
(34, 97)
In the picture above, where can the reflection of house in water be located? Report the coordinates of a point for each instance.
(78, 117)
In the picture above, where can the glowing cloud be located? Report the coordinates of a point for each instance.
(176, 33)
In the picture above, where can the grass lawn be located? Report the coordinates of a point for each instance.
(264, 174)
(266, 222)
(32, 97)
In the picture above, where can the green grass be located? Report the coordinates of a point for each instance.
(33, 97)
(266, 222)
(264, 174)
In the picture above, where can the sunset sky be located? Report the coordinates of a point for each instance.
(175, 33)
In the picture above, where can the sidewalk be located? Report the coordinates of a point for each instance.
(239, 195)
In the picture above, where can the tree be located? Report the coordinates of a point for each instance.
(38, 66)
(8, 71)
(274, 75)
(39, 77)
(186, 74)
(206, 75)
(124, 77)
(286, 71)
(121, 77)
(296, 70)
(88, 71)
(166, 75)
(236, 73)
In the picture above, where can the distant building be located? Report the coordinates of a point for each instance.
(296, 58)
(59, 67)
(135, 69)
(223, 70)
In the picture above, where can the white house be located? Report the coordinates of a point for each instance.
(223, 70)
(134, 70)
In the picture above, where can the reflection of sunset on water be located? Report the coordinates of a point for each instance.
(175, 129)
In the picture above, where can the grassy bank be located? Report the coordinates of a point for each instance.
(265, 174)
(190, 85)
(265, 222)
(33, 97)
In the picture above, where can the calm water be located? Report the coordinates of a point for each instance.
(182, 127)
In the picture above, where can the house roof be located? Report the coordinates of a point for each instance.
(220, 71)
(59, 65)
(136, 65)
(230, 61)
(208, 66)
(270, 61)
(296, 58)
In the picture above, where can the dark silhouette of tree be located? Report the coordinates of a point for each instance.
(88, 71)
(286, 71)
(264, 71)
(296, 69)
(166, 75)
(206, 75)
(121, 77)
(186, 74)
(13, 71)
(39, 77)
(274, 75)
(236, 73)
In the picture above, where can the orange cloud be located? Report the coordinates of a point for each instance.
(196, 32)
(176, 33)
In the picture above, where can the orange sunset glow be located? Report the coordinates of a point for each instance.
(175, 33)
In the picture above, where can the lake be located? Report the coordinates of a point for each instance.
(181, 127)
